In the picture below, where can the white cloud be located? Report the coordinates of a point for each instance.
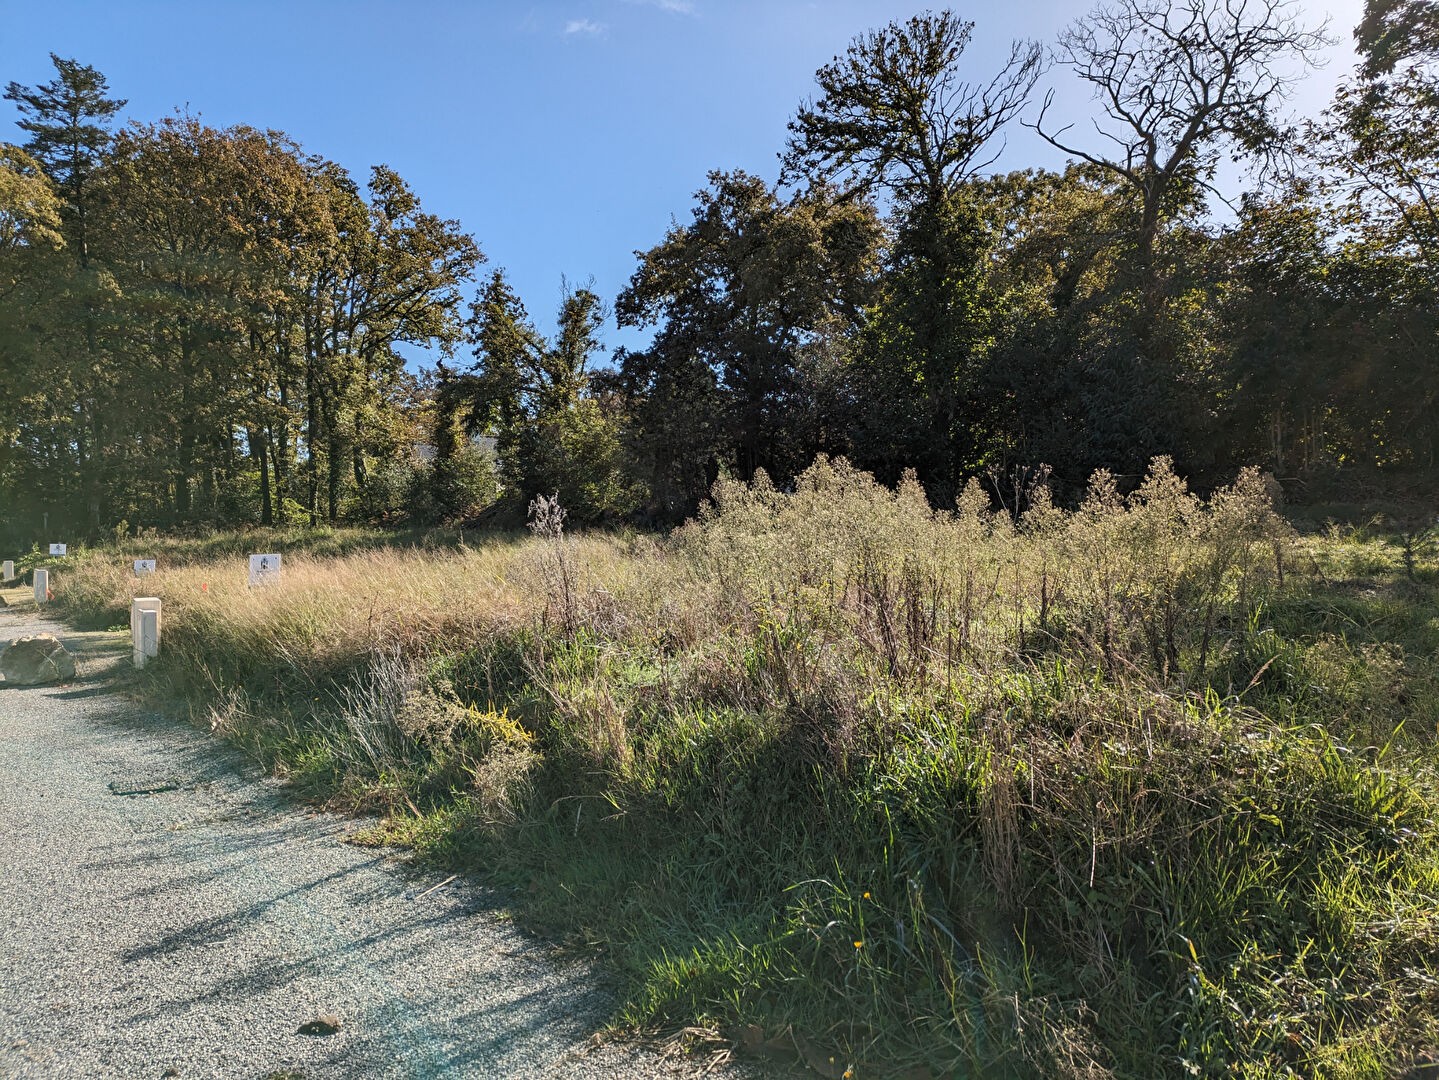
(679, 7)
(584, 26)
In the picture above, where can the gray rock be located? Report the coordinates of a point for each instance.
(34, 661)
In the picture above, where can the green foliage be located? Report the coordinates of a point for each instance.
(1175, 84)
(29, 211)
(577, 456)
(923, 353)
(553, 433)
(752, 300)
(220, 344)
(894, 114)
(1117, 781)
(1395, 31)
(219, 337)
(459, 485)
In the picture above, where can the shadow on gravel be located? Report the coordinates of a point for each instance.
(98, 690)
(237, 897)
(195, 751)
(438, 1029)
(220, 928)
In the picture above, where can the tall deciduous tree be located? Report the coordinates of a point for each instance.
(394, 278)
(1177, 82)
(33, 269)
(182, 201)
(895, 117)
(29, 219)
(1380, 140)
(920, 365)
(264, 303)
(1378, 148)
(751, 299)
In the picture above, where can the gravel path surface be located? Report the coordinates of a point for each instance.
(191, 932)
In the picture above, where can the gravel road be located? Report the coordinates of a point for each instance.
(191, 932)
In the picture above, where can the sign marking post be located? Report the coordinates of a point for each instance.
(264, 570)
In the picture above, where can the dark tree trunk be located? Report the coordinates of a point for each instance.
(334, 475)
(280, 451)
(185, 466)
(273, 456)
(260, 452)
(312, 443)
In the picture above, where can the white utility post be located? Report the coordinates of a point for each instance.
(145, 628)
(42, 586)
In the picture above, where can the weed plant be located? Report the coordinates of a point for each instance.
(1142, 789)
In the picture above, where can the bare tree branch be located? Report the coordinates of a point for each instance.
(1176, 81)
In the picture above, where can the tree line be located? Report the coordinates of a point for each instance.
(205, 326)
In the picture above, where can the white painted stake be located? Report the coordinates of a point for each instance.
(7, 570)
(42, 586)
(145, 628)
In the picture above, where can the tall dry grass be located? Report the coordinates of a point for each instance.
(1132, 581)
(1108, 791)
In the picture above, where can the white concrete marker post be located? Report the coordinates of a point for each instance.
(137, 605)
(148, 647)
(42, 586)
(264, 570)
(144, 566)
(7, 570)
(145, 628)
(57, 549)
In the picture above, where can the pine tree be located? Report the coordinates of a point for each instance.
(68, 120)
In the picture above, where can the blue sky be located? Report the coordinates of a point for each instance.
(564, 134)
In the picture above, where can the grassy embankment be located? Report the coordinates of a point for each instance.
(1142, 790)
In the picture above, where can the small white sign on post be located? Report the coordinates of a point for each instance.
(57, 549)
(42, 586)
(264, 569)
(7, 570)
(144, 566)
